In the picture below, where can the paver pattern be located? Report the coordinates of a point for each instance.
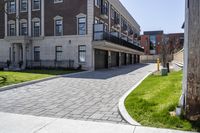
(88, 96)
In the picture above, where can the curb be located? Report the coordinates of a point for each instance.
(122, 108)
(14, 86)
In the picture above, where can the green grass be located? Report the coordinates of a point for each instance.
(152, 101)
(28, 75)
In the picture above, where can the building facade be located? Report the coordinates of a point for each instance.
(91, 34)
(151, 41)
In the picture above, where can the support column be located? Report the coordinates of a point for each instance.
(109, 59)
(42, 17)
(17, 17)
(24, 55)
(6, 22)
(120, 59)
(29, 18)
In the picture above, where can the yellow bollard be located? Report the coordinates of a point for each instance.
(158, 64)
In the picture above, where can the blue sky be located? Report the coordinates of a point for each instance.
(167, 15)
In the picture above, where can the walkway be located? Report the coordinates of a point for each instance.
(90, 96)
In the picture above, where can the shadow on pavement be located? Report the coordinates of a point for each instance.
(109, 73)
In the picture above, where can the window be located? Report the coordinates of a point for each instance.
(82, 53)
(82, 26)
(153, 42)
(112, 13)
(59, 27)
(36, 28)
(36, 53)
(97, 3)
(96, 21)
(11, 6)
(104, 9)
(58, 53)
(12, 29)
(23, 29)
(36, 4)
(58, 1)
(23, 5)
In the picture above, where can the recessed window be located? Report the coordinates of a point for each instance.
(23, 5)
(82, 53)
(36, 53)
(97, 3)
(82, 26)
(23, 29)
(11, 6)
(59, 27)
(58, 53)
(36, 28)
(58, 1)
(12, 29)
(36, 4)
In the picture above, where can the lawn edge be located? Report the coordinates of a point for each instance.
(121, 107)
(15, 86)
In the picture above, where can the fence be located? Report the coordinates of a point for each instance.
(51, 64)
(178, 57)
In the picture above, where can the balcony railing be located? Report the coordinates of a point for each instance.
(100, 34)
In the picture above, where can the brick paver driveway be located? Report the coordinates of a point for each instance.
(87, 96)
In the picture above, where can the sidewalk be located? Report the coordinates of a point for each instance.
(13, 123)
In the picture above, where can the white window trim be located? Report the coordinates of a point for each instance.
(35, 20)
(35, 9)
(9, 8)
(58, 1)
(26, 6)
(9, 23)
(55, 19)
(81, 15)
(23, 21)
(96, 3)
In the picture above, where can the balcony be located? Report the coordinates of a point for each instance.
(101, 35)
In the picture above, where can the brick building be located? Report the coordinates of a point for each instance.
(151, 41)
(93, 34)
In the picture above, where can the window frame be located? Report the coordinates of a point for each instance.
(11, 22)
(33, 27)
(79, 23)
(58, 1)
(97, 3)
(34, 9)
(82, 51)
(58, 51)
(21, 23)
(36, 59)
(55, 27)
(9, 7)
(21, 6)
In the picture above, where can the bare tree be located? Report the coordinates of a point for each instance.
(165, 51)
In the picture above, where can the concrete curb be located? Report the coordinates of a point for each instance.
(14, 86)
(122, 108)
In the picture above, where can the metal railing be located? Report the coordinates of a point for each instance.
(100, 34)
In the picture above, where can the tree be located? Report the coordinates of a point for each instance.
(165, 51)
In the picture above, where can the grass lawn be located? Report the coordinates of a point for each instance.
(28, 75)
(152, 101)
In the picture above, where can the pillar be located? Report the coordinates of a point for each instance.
(109, 59)
(24, 55)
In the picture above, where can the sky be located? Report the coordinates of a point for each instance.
(167, 15)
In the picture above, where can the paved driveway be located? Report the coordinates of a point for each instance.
(89, 96)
